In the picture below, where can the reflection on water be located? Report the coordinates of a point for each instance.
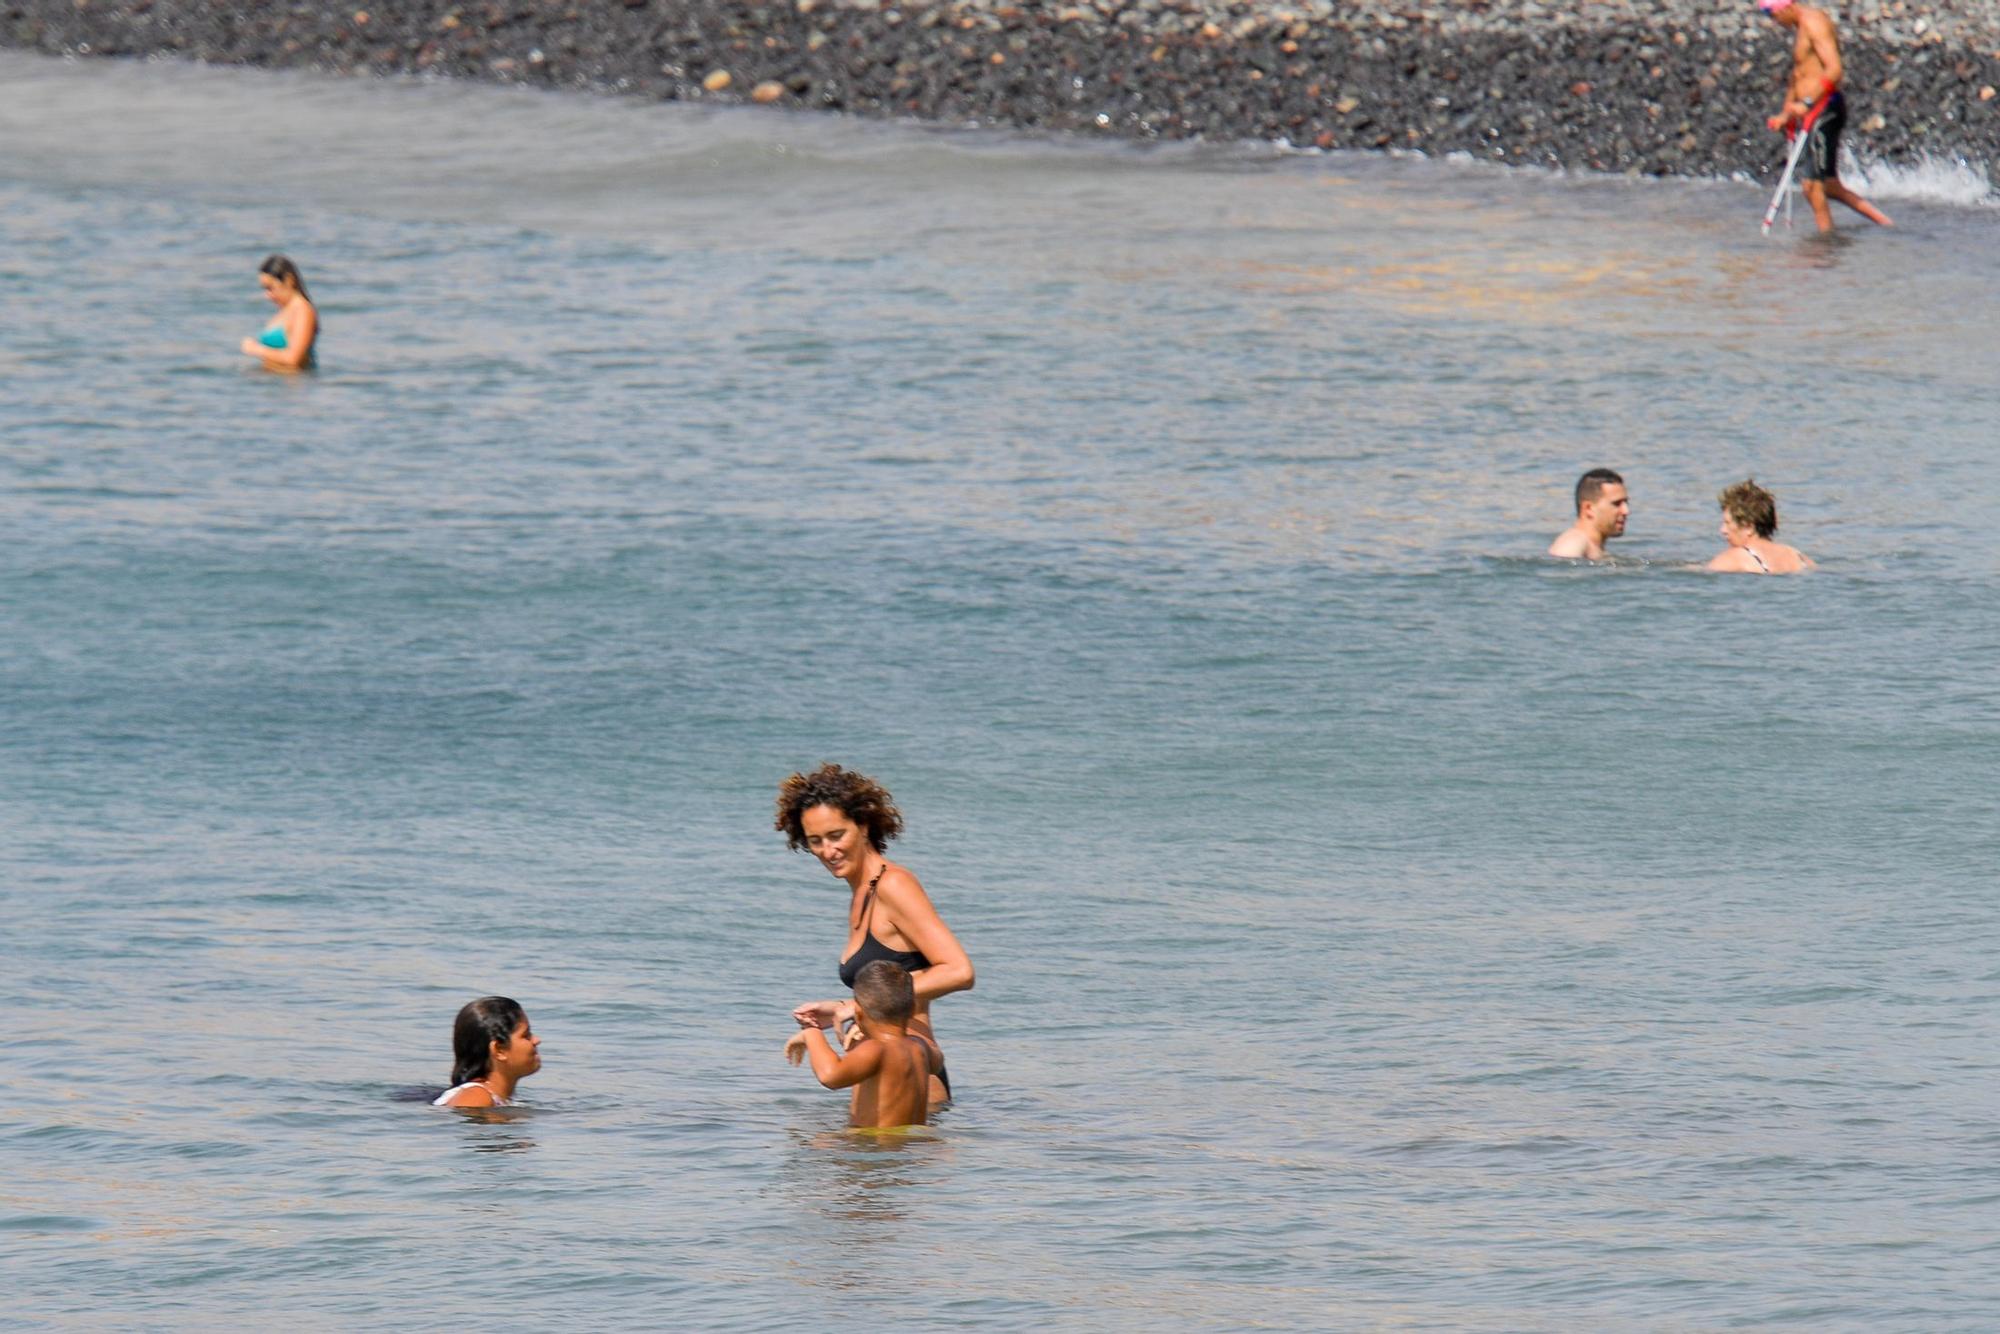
(862, 1175)
(495, 1116)
(1824, 251)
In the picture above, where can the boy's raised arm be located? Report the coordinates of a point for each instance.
(837, 1072)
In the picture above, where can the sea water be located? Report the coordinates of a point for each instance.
(1376, 923)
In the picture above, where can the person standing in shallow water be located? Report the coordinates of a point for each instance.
(287, 342)
(1749, 523)
(1601, 509)
(889, 1068)
(846, 820)
(1815, 83)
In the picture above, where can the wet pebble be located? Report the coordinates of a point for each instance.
(1676, 86)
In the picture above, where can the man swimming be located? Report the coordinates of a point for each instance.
(1601, 507)
(1815, 83)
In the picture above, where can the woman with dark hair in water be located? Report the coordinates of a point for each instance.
(287, 343)
(846, 820)
(493, 1049)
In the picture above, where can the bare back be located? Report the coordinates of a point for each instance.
(899, 1092)
(1763, 556)
(1813, 45)
(1781, 559)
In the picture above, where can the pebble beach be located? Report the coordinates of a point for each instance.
(1661, 88)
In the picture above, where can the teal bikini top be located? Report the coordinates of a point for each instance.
(274, 338)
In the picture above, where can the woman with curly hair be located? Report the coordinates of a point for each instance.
(846, 820)
(1750, 527)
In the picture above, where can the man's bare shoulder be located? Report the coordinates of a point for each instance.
(1570, 545)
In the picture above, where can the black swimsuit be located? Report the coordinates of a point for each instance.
(1823, 141)
(872, 950)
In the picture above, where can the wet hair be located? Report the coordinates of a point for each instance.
(858, 797)
(1749, 503)
(480, 1024)
(1591, 485)
(281, 268)
(884, 990)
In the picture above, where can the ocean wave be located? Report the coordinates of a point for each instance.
(1930, 179)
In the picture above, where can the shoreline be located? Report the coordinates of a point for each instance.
(1664, 88)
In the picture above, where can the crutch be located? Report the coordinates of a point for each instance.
(1783, 194)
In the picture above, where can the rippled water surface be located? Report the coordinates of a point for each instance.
(1376, 924)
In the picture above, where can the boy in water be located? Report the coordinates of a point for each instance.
(889, 1069)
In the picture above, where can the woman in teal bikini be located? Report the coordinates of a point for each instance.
(287, 344)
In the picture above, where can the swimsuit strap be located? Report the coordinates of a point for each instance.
(1759, 559)
(868, 900)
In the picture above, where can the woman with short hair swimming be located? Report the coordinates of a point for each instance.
(1749, 523)
(287, 342)
(846, 820)
(493, 1049)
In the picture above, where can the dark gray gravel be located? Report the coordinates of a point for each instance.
(1635, 85)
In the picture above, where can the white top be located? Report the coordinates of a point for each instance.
(444, 1098)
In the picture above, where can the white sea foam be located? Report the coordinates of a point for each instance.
(1934, 179)
(1931, 179)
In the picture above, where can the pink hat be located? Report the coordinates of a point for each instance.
(1773, 6)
